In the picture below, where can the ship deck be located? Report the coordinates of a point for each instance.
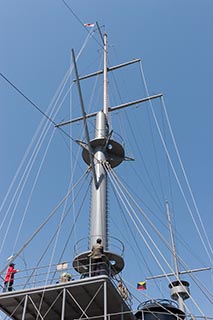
(89, 298)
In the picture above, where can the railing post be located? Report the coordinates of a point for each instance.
(25, 307)
(105, 300)
(90, 267)
(63, 304)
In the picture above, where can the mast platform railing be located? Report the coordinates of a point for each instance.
(115, 245)
(50, 275)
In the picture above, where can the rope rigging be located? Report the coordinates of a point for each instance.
(174, 171)
(35, 145)
(141, 255)
(129, 208)
(186, 178)
(122, 194)
(52, 213)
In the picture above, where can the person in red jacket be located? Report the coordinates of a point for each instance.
(9, 277)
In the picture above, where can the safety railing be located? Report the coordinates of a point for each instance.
(113, 245)
(47, 275)
(57, 273)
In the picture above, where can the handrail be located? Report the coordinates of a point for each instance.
(45, 278)
(115, 245)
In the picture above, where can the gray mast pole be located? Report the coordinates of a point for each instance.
(179, 288)
(96, 152)
(172, 241)
(99, 212)
(105, 108)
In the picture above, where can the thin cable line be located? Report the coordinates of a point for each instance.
(31, 191)
(182, 263)
(31, 161)
(175, 174)
(141, 256)
(74, 224)
(46, 127)
(185, 175)
(34, 105)
(79, 20)
(65, 216)
(31, 144)
(151, 298)
(125, 200)
(113, 180)
(52, 213)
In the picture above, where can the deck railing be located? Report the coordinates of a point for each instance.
(47, 275)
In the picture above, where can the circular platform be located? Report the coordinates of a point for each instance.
(112, 263)
(179, 288)
(114, 151)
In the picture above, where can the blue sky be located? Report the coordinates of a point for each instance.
(174, 41)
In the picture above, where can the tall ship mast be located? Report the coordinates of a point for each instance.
(98, 290)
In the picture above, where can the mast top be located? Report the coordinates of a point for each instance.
(105, 93)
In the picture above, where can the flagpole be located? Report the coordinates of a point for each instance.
(105, 93)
